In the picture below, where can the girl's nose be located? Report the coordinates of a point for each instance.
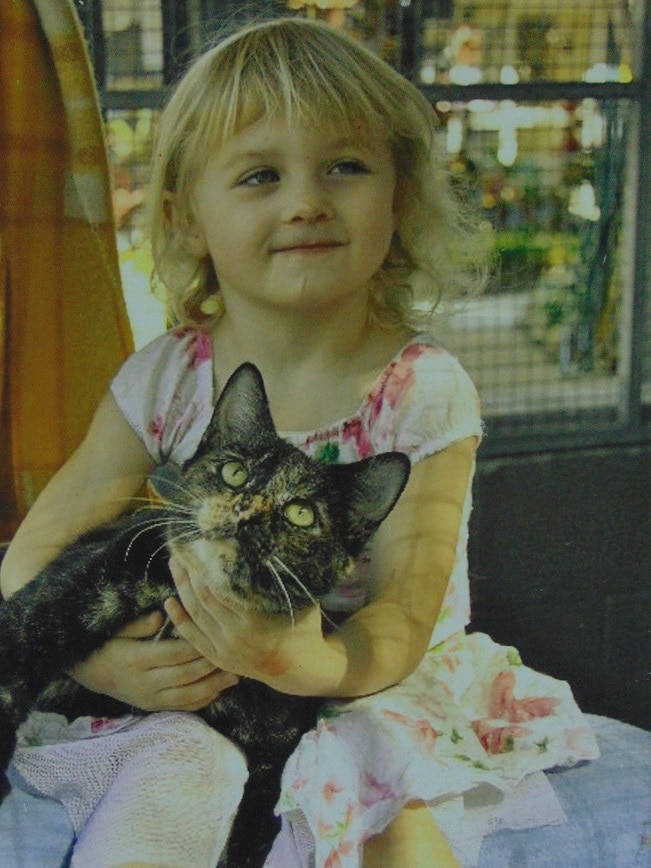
(307, 202)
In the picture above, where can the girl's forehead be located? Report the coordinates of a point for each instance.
(278, 133)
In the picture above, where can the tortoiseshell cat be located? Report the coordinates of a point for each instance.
(270, 526)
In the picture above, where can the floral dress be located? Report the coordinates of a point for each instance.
(472, 719)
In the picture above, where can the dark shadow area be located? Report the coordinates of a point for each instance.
(560, 560)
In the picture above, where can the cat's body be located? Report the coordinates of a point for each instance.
(269, 526)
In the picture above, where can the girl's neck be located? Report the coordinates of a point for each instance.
(317, 368)
(278, 341)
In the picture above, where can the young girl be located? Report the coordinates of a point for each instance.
(302, 220)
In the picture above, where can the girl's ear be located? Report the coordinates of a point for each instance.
(186, 231)
(193, 241)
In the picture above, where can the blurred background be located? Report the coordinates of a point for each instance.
(540, 104)
(545, 116)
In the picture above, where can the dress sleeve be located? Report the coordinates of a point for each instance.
(165, 391)
(427, 402)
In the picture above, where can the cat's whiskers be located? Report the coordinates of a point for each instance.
(190, 535)
(161, 632)
(152, 524)
(184, 490)
(167, 505)
(281, 585)
(307, 593)
(155, 552)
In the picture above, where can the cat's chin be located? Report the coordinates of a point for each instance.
(214, 560)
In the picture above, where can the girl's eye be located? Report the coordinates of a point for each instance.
(234, 474)
(300, 513)
(349, 167)
(260, 177)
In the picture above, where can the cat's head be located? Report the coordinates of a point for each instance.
(267, 522)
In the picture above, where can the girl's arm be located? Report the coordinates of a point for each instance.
(413, 557)
(415, 553)
(95, 485)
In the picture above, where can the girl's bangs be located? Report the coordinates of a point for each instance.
(302, 85)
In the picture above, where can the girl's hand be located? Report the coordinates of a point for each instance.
(153, 676)
(268, 648)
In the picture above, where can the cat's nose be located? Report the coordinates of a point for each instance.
(250, 507)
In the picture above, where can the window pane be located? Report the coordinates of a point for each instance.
(526, 40)
(134, 44)
(467, 42)
(550, 178)
(130, 138)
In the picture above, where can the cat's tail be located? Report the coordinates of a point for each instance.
(13, 710)
(21, 680)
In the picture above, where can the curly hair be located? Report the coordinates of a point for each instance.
(313, 74)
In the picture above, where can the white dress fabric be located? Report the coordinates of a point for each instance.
(468, 728)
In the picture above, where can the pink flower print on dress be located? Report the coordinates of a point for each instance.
(498, 739)
(580, 740)
(504, 705)
(299, 784)
(198, 349)
(334, 858)
(354, 430)
(156, 429)
(398, 379)
(436, 705)
(331, 790)
(327, 831)
(100, 724)
(451, 661)
(375, 791)
(422, 730)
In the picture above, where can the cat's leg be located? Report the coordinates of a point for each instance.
(13, 705)
(255, 825)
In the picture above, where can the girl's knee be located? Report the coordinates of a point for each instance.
(412, 840)
(177, 791)
(187, 739)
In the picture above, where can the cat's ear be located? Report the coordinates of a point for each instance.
(242, 418)
(371, 489)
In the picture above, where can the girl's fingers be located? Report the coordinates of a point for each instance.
(189, 602)
(192, 697)
(185, 674)
(188, 629)
(144, 628)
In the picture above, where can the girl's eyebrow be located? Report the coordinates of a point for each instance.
(262, 154)
(358, 144)
(252, 157)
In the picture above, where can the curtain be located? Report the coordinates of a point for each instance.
(63, 324)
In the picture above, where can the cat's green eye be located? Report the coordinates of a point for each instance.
(234, 474)
(300, 513)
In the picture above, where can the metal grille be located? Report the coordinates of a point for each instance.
(546, 337)
(507, 41)
(545, 114)
(133, 32)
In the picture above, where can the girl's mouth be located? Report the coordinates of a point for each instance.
(319, 247)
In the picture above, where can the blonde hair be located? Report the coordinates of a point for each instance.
(316, 75)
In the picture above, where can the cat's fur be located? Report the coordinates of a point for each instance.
(247, 536)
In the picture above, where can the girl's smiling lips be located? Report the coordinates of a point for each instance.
(308, 247)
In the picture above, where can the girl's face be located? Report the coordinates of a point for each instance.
(296, 217)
